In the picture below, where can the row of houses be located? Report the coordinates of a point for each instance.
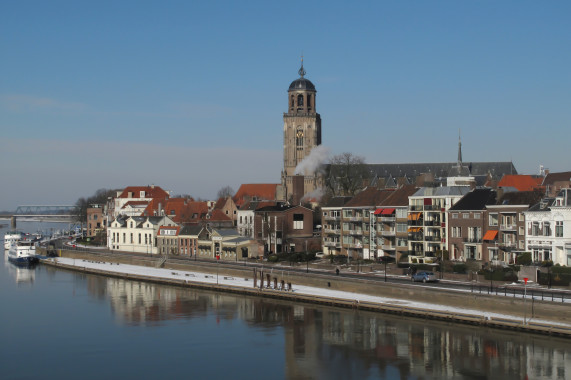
(421, 224)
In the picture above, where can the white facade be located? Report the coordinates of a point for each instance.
(245, 223)
(548, 229)
(136, 234)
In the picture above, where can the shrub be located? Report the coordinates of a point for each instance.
(524, 259)
(460, 268)
(273, 258)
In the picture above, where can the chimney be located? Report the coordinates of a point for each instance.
(297, 189)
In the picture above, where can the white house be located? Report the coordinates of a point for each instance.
(548, 227)
(136, 233)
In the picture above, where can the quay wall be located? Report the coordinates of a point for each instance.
(514, 308)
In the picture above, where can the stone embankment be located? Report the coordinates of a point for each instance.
(542, 317)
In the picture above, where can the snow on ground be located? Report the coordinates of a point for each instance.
(241, 282)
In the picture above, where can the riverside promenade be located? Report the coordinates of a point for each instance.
(533, 316)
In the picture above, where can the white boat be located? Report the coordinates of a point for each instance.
(12, 237)
(23, 252)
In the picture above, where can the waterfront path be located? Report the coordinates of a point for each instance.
(334, 297)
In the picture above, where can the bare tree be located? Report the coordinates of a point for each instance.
(225, 192)
(346, 174)
(81, 205)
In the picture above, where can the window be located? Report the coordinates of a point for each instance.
(299, 139)
(95, 217)
(546, 229)
(521, 217)
(559, 229)
(493, 219)
(402, 227)
(477, 215)
(521, 231)
(401, 213)
(465, 215)
(455, 215)
(300, 100)
(535, 229)
(298, 221)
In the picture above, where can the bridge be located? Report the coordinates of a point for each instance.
(41, 211)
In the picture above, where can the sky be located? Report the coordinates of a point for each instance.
(190, 95)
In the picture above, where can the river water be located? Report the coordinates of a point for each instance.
(57, 324)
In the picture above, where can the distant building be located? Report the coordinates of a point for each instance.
(96, 222)
(136, 233)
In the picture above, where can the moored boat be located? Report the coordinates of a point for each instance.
(23, 252)
(12, 237)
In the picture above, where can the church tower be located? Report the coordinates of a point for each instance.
(302, 133)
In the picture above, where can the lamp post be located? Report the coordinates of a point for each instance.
(217, 260)
(525, 300)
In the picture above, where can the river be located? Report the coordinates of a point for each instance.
(61, 324)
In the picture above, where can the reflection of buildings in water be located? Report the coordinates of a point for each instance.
(325, 342)
(21, 274)
(140, 302)
(373, 344)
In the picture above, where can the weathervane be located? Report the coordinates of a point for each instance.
(301, 71)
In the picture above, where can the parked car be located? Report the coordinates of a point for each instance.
(424, 277)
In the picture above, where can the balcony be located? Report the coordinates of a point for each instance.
(508, 227)
(472, 240)
(388, 233)
(415, 208)
(416, 222)
(388, 247)
(332, 244)
(433, 208)
(388, 218)
(352, 219)
(434, 223)
(332, 217)
(415, 237)
(331, 231)
(432, 238)
(354, 232)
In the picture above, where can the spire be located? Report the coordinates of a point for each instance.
(459, 149)
(301, 71)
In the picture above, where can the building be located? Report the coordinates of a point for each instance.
(283, 228)
(331, 228)
(554, 182)
(136, 233)
(302, 133)
(226, 245)
(96, 221)
(358, 239)
(548, 227)
(391, 223)
(467, 225)
(137, 198)
(427, 220)
(504, 238)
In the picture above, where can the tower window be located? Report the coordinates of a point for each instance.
(299, 139)
(309, 101)
(300, 100)
(291, 105)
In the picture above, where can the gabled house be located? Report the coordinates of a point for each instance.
(228, 208)
(136, 233)
(139, 196)
(467, 225)
(256, 192)
(284, 228)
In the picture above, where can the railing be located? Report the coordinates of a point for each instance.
(389, 247)
(432, 238)
(415, 222)
(332, 217)
(331, 244)
(388, 218)
(331, 231)
(388, 232)
(352, 218)
(415, 237)
(354, 232)
(472, 240)
(432, 223)
(415, 208)
(433, 208)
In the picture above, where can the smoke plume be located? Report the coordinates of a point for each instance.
(310, 164)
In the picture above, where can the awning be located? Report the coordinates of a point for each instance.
(378, 211)
(388, 211)
(490, 235)
(414, 216)
(413, 229)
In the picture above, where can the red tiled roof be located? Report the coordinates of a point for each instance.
(150, 192)
(218, 215)
(521, 182)
(262, 191)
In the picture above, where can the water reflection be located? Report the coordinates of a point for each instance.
(322, 342)
(21, 274)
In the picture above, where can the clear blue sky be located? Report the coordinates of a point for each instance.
(190, 95)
